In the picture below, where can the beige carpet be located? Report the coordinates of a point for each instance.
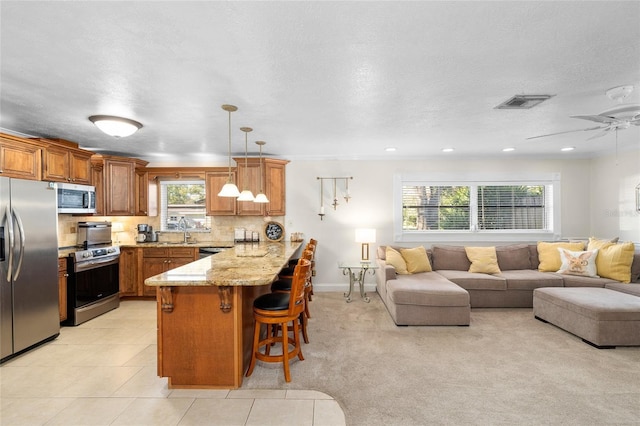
(506, 368)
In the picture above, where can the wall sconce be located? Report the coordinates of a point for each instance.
(365, 236)
(118, 127)
(335, 203)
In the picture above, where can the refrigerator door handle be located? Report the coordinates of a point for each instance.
(22, 241)
(9, 220)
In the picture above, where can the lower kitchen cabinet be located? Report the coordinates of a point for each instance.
(157, 260)
(138, 264)
(62, 287)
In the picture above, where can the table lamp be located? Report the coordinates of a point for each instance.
(365, 236)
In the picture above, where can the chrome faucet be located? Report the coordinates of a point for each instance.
(182, 224)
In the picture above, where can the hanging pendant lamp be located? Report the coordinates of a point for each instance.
(229, 189)
(260, 198)
(246, 194)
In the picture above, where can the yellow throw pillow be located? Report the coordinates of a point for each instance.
(549, 256)
(416, 259)
(614, 260)
(483, 260)
(394, 258)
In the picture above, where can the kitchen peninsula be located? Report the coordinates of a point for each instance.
(205, 313)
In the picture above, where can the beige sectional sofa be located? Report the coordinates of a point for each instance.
(445, 295)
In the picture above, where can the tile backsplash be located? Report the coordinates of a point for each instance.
(222, 228)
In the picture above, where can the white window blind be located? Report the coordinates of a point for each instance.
(183, 199)
(476, 204)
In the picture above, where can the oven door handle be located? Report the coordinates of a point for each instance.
(96, 263)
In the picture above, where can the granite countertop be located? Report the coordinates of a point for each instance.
(244, 265)
(225, 244)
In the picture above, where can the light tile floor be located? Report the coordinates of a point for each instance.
(103, 372)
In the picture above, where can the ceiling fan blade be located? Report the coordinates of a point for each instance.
(602, 133)
(567, 131)
(596, 118)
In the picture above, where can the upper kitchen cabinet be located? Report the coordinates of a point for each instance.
(115, 182)
(63, 161)
(20, 158)
(273, 183)
(214, 181)
(141, 188)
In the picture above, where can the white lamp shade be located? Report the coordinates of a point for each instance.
(115, 126)
(365, 235)
(229, 190)
(246, 195)
(261, 198)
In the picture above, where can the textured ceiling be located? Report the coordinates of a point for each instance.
(334, 80)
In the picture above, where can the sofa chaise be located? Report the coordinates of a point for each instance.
(445, 294)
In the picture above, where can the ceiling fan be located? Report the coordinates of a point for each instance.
(618, 118)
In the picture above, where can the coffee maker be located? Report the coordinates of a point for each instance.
(145, 233)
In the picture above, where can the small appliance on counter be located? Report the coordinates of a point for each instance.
(93, 233)
(146, 234)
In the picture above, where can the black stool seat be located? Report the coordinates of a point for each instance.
(281, 285)
(272, 302)
(287, 272)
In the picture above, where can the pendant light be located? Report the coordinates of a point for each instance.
(260, 198)
(229, 189)
(246, 194)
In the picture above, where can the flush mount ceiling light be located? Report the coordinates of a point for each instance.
(229, 189)
(118, 127)
(246, 194)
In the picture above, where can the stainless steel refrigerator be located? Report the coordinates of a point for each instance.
(28, 265)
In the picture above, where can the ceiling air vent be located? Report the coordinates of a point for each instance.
(523, 101)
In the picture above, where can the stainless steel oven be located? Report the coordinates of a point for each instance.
(93, 285)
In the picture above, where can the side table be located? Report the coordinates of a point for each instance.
(357, 272)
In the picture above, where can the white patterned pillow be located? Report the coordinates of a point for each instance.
(581, 263)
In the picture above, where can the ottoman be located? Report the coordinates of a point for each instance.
(602, 317)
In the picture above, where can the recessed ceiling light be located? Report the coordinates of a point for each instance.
(508, 149)
(447, 149)
(390, 149)
(568, 148)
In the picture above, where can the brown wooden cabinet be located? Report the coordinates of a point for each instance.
(140, 263)
(62, 288)
(130, 266)
(157, 260)
(115, 182)
(63, 162)
(20, 158)
(273, 184)
(141, 197)
(219, 206)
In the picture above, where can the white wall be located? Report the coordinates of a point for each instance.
(371, 203)
(613, 180)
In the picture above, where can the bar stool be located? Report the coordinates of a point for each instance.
(283, 285)
(276, 311)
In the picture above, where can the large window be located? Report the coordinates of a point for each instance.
(183, 206)
(457, 207)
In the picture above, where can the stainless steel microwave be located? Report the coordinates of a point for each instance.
(74, 198)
